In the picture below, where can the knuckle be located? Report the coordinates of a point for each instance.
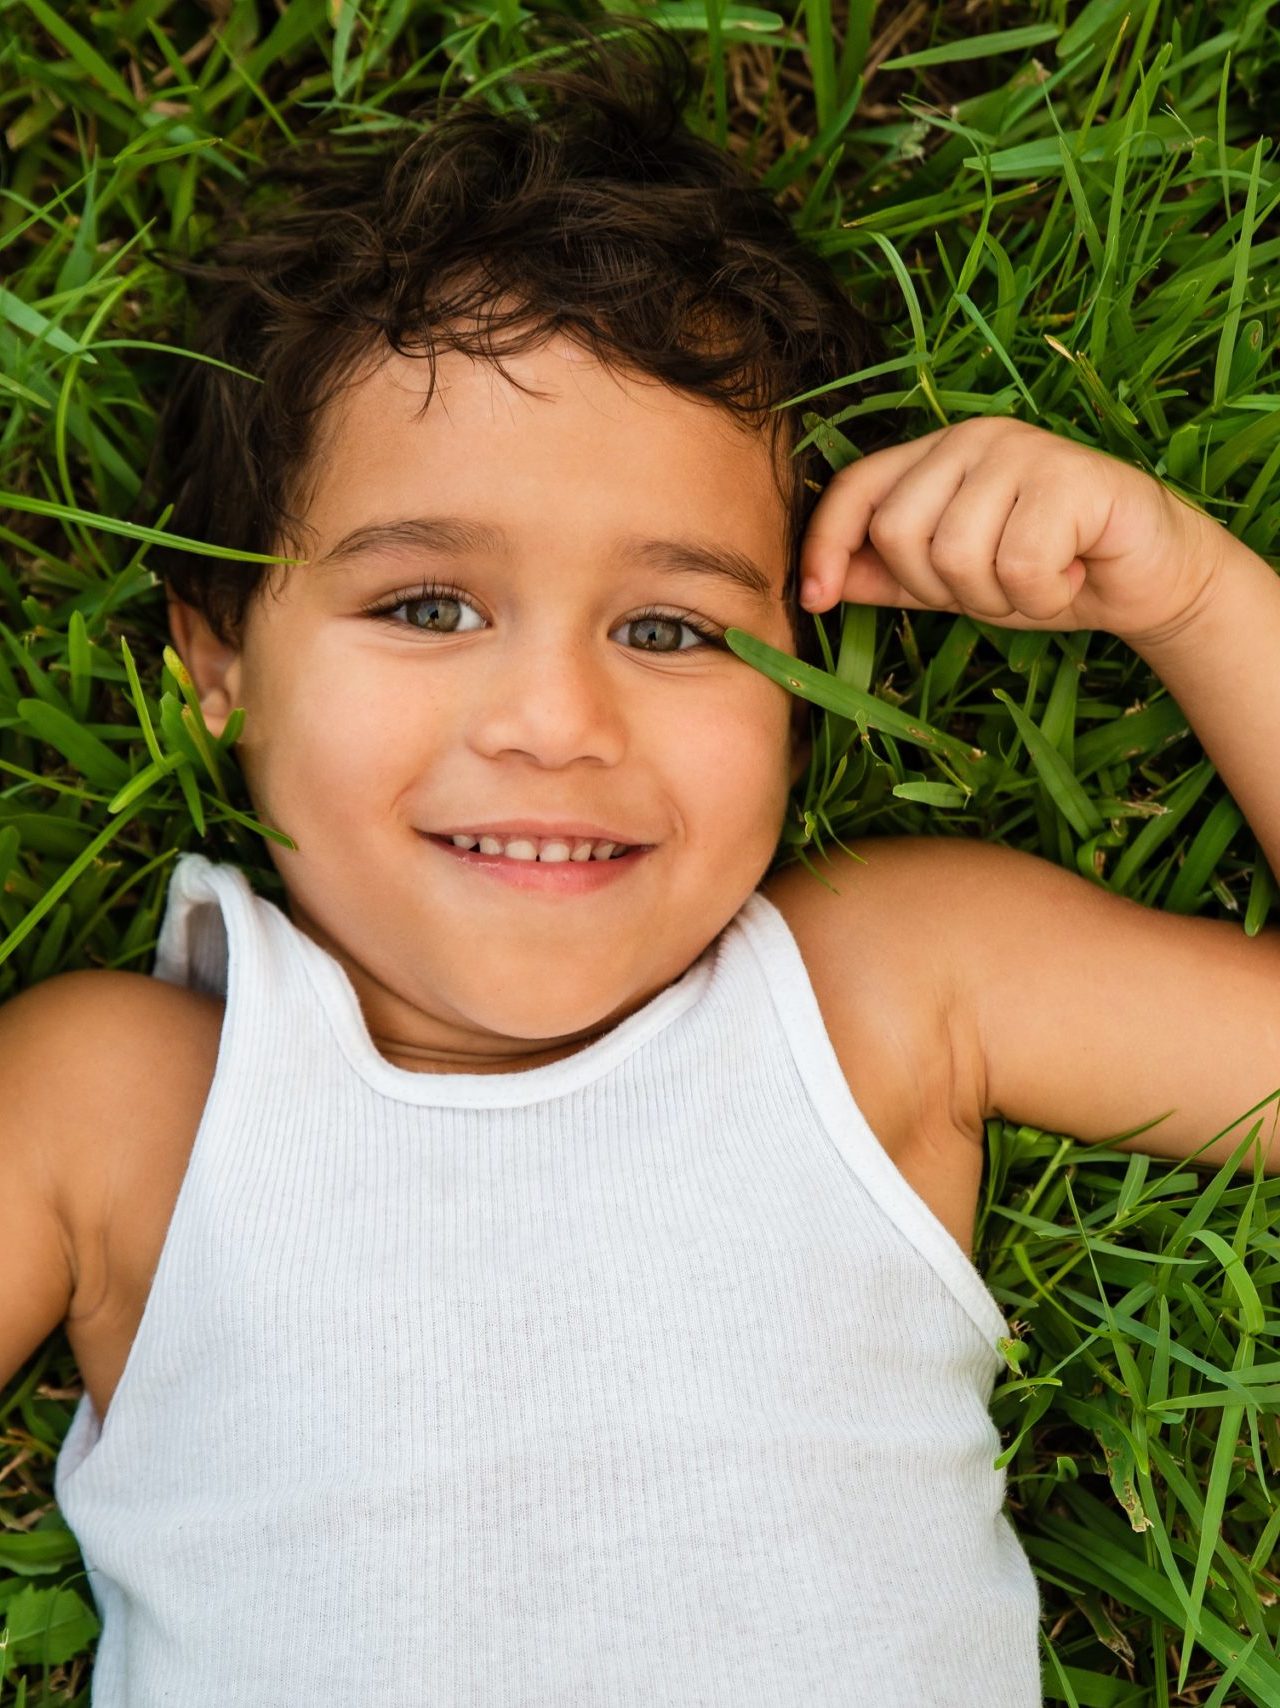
(1018, 569)
(986, 426)
(951, 557)
(1021, 555)
(889, 528)
(844, 478)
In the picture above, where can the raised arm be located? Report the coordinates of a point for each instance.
(1077, 1010)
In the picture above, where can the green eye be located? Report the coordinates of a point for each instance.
(444, 608)
(648, 621)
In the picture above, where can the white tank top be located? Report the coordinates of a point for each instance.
(640, 1379)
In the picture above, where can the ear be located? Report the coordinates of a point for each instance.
(215, 667)
(801, 740)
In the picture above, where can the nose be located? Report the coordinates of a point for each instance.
(552, 699)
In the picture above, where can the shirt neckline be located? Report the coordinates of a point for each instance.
(332, 985)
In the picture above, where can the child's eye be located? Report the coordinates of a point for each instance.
(443, 608)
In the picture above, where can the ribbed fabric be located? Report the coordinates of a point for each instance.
(641, 1379)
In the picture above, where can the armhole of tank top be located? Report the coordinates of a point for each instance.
(783, 969)
(229, 901)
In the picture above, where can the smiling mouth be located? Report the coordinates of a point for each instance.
(548, 850)
(570, 877)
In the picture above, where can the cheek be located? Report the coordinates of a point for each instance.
(355, 748)
(732, 760)
(329, 732)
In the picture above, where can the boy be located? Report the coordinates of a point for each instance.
(535, 1265)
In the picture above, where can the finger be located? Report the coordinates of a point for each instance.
(1036, 562)
(870, 581)
(902, 528)
(838, 522)
(963, 548)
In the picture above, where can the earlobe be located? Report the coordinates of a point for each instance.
(214, 666)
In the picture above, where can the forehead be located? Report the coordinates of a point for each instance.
(584, 446)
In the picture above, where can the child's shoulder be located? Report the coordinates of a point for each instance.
(105, 1075)
(867, 925)
(881, 966)
(101, 1042)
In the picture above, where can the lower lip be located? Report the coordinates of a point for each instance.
(553, 877)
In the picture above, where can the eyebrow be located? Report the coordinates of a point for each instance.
(457, 536)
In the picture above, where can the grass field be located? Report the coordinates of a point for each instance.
(1064, 213)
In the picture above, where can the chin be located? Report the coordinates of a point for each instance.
(546, 1019)
(544, 1027)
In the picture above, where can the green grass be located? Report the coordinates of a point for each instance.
(1063, 213)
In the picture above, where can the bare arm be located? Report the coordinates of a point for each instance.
(1088, 1014)
(37, 1276)
(1222, 666)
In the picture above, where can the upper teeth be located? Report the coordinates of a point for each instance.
(546, 848)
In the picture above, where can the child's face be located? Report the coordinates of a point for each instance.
(541, 702)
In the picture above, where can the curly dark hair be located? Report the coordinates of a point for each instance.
(601, 215)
